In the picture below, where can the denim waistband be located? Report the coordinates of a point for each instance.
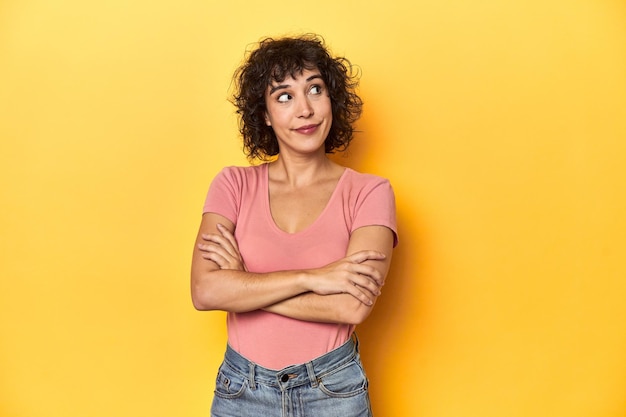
(294, 375)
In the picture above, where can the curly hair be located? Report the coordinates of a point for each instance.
(272, 61)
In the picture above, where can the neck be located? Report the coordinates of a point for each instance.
(300, 172)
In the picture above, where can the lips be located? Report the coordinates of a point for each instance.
(307, 130)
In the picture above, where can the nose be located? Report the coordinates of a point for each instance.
(305, 109)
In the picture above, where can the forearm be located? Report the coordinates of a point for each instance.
(335, 308)
(241, 291)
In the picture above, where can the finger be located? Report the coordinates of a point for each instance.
(205, 247)
(366, 284)
(229, 236)
(366, 255)
(212, 238)
(231, 245)
(222, 242)
(369, 272)
(219, 260)
(360, 295)
(224, 262)
(217, 250)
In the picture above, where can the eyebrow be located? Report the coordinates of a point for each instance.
(282, 86)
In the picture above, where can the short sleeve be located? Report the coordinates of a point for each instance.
(224, 195)
(376, 206)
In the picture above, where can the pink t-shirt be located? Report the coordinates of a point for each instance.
(241, 195)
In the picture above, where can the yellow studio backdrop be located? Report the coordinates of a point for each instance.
(501, 124)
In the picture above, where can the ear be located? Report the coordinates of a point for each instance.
(267, 120)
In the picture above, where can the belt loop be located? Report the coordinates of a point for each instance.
(311, 372)
(356, 342)
(251, 376)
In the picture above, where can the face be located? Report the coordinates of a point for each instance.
(299, 111)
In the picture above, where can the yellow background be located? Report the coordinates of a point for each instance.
(501, 124)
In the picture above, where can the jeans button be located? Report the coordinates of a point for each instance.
(284, 378)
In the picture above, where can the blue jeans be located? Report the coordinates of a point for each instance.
(333, 385)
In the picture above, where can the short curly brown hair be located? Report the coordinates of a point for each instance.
(272, 61)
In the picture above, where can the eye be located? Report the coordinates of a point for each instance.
(316, 89)
(283, 98)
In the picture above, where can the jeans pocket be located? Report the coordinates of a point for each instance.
(229, 384)
(344, 382)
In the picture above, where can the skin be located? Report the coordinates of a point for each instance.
(301, 182)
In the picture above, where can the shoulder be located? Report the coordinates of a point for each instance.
(363, 181)
(361, 190)
(231, 187)
(237, 180)
(371, 200)
(241, 174)
(243, 171)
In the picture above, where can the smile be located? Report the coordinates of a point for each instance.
(307, 130)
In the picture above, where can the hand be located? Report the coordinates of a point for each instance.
(350, 275)
(222, 249)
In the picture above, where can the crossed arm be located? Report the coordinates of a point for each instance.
(343, 291)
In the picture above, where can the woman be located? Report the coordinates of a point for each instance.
(295, 249)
